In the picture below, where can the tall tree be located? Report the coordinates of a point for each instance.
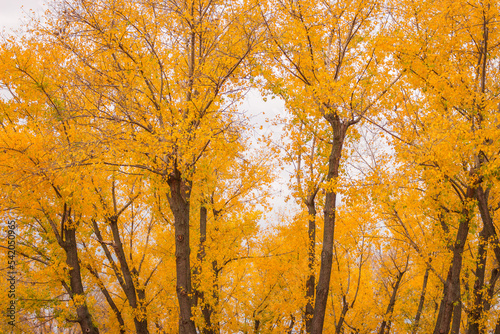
(448, 51)
(161, 79)
(324, 60)
(43, 184)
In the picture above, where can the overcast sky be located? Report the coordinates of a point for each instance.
(12, 11)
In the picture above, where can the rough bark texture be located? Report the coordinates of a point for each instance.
(339, 131)
(178, 199)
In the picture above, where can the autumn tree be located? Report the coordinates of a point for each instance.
(127, 161)
(443, 125)
(42, 186)
(160, 79)
(324, 59)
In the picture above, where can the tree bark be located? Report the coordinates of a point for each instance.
(178, 198)
(311, 208)
(138, 304)
(482, 200)
(206, 308)
(386, 323)
(76, 292)
(451, 289)
(421, 302)
(339, 131)
(475, 314)
(345, 308)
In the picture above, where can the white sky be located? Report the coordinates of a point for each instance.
(13, 11)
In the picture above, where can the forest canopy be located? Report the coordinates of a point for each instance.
(138, 195)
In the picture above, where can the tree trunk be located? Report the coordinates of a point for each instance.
(421, 302)
(76, 286)
(339, 132)
(137, 304)
(206, 308)
(478, 304)
(451, 289)
(457, 315)
(386, 323)
(345, 308)
(482, 200)
(311, 208)
(178, 198)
